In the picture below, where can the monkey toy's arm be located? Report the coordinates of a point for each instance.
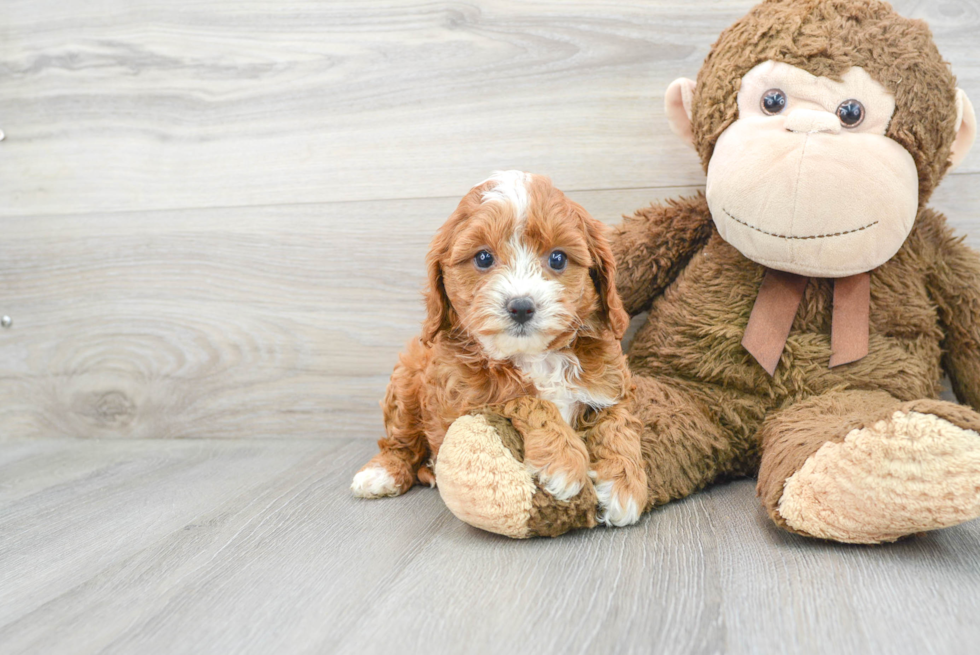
(652, 246)
(955, 282)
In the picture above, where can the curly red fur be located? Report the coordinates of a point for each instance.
(448, 372)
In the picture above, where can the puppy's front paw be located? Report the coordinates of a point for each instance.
(621, 499)
(563, 484)
(374, 482)
(553, 452)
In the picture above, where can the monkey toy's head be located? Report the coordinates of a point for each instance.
(823, 126)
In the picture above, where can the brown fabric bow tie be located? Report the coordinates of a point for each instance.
(775, 308)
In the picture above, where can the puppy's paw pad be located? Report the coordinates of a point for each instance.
(374, 482)
(615, 508)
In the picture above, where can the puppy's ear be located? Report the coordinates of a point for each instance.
(439, 314)
(603, 274)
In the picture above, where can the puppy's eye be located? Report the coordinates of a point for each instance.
(483, 260)
(558, 261)
(773, 101)
(850, 113)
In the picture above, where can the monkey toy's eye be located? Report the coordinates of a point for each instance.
(558, 261)
(850, 113)
(773, 101)
(483, 260)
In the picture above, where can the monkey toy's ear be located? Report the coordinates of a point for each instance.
(966, 130)
(678, 104)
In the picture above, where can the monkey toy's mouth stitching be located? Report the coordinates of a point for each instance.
(790, 236)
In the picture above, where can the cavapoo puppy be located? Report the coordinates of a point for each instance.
(521, 302)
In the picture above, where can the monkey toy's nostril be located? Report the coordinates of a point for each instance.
(521, 310)
(809, 121)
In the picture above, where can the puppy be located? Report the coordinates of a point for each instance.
(521, 302)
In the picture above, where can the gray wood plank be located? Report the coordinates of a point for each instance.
(156, 104)
(285, 319)
(278, 321)
(168, 546)
(706, 575)
(258, 322)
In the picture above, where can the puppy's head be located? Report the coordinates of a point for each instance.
(521, 268)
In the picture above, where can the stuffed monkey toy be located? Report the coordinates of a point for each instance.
(803, 310)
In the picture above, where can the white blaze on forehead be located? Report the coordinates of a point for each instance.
(509, 187)
(519, 274)
(523, 266)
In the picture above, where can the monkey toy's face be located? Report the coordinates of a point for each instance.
(806, 180)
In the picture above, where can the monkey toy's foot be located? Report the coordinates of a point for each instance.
(484, 481)
(908, 473)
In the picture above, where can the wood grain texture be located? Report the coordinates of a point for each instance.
(122, 105)
(246, 322)
(178, 256)
(257, 322)
(214, 220)
(257, 547)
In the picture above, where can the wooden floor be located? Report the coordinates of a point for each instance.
(214, 222)
(255, 546)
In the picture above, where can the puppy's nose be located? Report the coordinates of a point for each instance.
(521, 310)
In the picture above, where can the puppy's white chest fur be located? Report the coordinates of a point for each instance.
(555, 376)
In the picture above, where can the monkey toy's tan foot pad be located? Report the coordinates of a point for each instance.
(484, 482)
(906, 474)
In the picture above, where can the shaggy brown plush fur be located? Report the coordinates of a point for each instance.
(454, 367)
(703, 399)
(710, 411)
(708, 408)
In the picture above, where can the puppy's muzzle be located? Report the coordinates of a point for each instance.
(521, 310)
